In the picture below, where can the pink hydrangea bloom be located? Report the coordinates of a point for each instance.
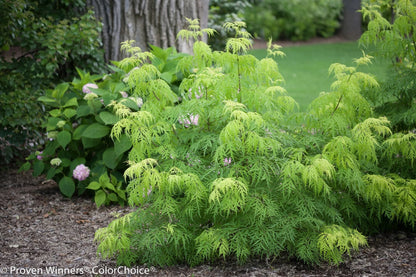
(227, 161)
(86, 87)
(81, 172)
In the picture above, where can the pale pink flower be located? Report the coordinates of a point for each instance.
(81, 172)
(197, 96)
(187, 123)
(194, 119)
(39, 157)
(227, 161)
(124, 94)
(86, 87)
(149, 191)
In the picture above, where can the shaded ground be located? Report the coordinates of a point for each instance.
(40, 228)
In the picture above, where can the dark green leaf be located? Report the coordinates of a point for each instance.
(113, 197)
(71, 102)
(78, 132)
(95, 104)
(110, 186)
(166, 76)
(64, 138)
(99, 198)
(65, 162)
(104, 179)
(25, 167)
(70, 113)
(51, 173)
(38, 167)
(122, 145)
(67, 186)
(108, 118)
(122, 194)
(55, 112)
(110, 158)
(52, 121)
(50, 148)
(94, 185)
(83, 110)
(96, 131)
(89, 143)
(130, 104)
(47, 99)
(60, 90)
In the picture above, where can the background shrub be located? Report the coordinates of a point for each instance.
(294, 20)
(394, 39)
(221, 12)
(49, 42)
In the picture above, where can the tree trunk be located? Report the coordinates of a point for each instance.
(147, 22)
(351, 24)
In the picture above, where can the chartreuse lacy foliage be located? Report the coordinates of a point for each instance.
(229, 169)
(396, 41)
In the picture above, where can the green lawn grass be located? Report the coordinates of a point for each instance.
(305, 68)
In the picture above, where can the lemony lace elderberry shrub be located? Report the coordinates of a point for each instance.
(229, 169)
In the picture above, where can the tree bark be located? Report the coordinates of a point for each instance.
(351, 24)
(147, 22)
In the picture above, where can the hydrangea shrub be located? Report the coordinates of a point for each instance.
(79, 149)
(80, 154)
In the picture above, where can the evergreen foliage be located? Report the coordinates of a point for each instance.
(223, 166)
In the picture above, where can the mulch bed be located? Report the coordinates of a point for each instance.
(41, 229)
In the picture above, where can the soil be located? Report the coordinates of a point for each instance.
(41, 229)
